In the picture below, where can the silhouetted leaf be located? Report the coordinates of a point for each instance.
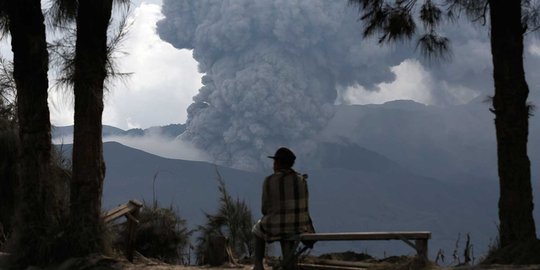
(434, 47)
(430, 15)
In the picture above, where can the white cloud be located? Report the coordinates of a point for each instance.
(61, 108)
(412, 82)
(156, 144)
(162, 146)
(162, 85)
(164, 78)
(534, 48)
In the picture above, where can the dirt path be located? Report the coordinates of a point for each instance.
(108, 263)
(177, 267)
(247, 267)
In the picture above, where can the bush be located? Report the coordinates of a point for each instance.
(231, 225)
(519, 253)
(161, 234)
(43, 240)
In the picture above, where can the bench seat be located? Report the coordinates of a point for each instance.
(351, 236)
(420, 238)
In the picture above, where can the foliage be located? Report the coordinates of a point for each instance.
(62, 49)
(9, 160)
(233, 221)
(61, 175)
(9, 192)
(44, 189)
(161, 234)
(509, 22)
(468, 252)
(85, 56)
(518, 253)
(8, 103)
(395, 21)
(52, 245)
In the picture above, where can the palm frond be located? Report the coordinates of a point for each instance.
(430, 15)
(115, 50)
(399, 25)
(395, 21)
(62, 54)
(476, 10)
(531, 15)
(391, 21)
(8, 91)
(4, 20)
(433, 46)
(62, 58)
(62, 13)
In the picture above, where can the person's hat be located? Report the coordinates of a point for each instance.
(284, 154)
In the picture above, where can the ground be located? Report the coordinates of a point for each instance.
(108, 263)
(403, 264)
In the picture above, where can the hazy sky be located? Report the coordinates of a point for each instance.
(165, 79)
(163, 82)
(275, 69)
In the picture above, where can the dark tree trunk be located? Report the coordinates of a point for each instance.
(9, 145)
(511, 123)
(37, 214)
(88, 166)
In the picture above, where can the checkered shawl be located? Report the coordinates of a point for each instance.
(285, 204)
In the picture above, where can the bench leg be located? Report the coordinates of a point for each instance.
(132, 233)
(422, 248)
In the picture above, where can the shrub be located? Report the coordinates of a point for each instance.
(44, 240)
(231, 224)
(161, 234)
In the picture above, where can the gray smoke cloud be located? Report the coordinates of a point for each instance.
(273, 70)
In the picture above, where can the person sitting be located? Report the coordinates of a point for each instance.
(284, 208)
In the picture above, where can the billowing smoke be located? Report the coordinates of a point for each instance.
(271, 70)
(274, 69)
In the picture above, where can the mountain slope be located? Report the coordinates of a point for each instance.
(168, 131)
(340, 199)
(453, 143)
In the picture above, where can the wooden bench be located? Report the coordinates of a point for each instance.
(420, 238)
(131, 211)
(126, 209)
(416, 239)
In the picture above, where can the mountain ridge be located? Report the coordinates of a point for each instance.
(168, 131)
(393, 166)
(340, 199)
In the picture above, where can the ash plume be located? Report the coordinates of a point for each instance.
(271, 70)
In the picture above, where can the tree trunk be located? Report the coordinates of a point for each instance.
(511, 123)
(37, 213)
(88, 166)
(9, 143)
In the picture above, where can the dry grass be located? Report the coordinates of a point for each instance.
(523, 253)
(142, 263)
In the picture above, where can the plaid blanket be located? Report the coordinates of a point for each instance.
(285, 205)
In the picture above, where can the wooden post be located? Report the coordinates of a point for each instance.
(422, 248)
(131, 210)
(132, 222)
